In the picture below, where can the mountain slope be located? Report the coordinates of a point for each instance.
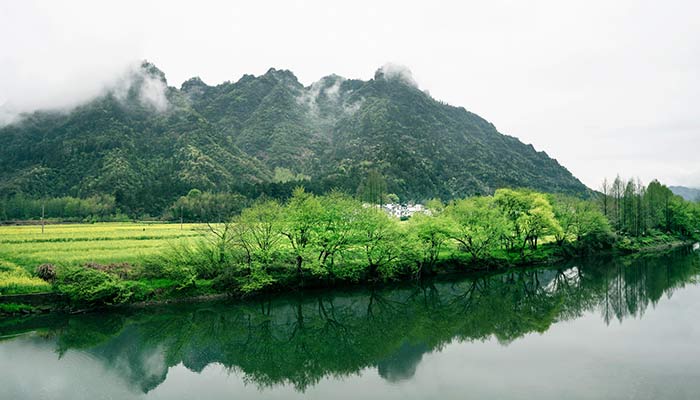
(690, 194)
(146, 143)
(121, 146)
(430, 148)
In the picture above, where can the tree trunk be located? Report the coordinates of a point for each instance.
(300, 272)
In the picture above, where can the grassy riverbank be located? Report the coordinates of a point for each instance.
(40, 296)
(129, 245)
(324, 241)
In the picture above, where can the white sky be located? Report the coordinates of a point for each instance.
(604, 87)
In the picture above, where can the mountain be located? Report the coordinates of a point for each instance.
(147, 143)
(690, 194)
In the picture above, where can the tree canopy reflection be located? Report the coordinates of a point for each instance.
(301, 339)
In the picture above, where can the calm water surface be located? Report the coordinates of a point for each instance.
(600, 329)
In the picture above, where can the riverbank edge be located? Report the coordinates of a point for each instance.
(55, 303)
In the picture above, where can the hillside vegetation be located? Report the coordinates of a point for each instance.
(140, 147)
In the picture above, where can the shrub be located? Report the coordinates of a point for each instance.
(93, 287)
(47, 272)
(228, 281)
(236, 280)
(257, 281)
(184, 276)
(202, 256)
(121, 270)
(185, 263)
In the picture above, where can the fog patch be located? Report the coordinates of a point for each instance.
(152, 93)
(149, 88)
(333, 90)
(310, 97)
(390, 71)
(7, 114)
(328, 89)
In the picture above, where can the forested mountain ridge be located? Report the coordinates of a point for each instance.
(146, 143)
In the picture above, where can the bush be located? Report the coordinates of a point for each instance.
(186, 263)
(235, 280)
(203, 257)
(47, 272)
(93, 287)
(121, 270)
(228, 281)
(183, 276)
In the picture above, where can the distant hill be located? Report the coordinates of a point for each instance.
(147, 143)
(690, 194)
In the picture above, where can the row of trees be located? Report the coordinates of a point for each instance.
(637, 210)
(196, 206)
(100, 207)
(337, 237)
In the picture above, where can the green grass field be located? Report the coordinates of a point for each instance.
(16, 280)
(74, 244)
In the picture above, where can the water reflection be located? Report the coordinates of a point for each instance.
(299, 340)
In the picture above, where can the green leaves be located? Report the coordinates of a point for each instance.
(578, 219)
(479, 225)
(92, 287)
(429, 234)
(530, 216)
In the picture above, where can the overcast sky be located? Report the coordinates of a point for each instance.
(605, 87)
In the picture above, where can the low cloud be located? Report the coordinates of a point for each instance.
(60, 56)
(151, 93)
(151, 87)
(309, 97)
(328, 87)
(396, 71)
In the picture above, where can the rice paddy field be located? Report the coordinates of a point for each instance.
(103, 243)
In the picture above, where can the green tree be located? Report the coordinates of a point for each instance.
(302, 216)
(258, 232)
(479, 225)
(373, 188)
(200, 206)
(381, 240)
(530, 216)
(578, 219)
(429, 235)
(435, 206)
(336, 231)
(120, 178)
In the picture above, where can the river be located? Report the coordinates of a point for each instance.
(603, 328)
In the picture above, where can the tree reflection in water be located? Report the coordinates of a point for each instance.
(301, 339)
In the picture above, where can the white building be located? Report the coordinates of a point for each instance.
(404, 211)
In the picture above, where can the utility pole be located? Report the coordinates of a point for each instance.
(42, 218)
(181, 217)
